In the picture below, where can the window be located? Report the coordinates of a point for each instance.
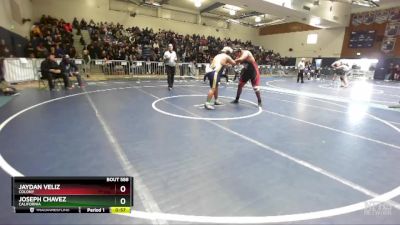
(312, 39)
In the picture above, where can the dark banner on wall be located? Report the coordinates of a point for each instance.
(362, 39)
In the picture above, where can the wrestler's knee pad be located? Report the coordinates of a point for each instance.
(256, 88)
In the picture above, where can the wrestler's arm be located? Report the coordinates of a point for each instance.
(242, 58)
(230, 61)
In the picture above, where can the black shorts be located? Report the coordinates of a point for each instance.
(214, 78)
(340, 72)
(251, 73)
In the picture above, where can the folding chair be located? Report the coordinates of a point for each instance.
(41, 80)
(58, 82)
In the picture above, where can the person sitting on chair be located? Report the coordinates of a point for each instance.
(69, 69)
(51, 70)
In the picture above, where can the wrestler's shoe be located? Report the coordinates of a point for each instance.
(218, 102)
(208, 106)
(235, 101)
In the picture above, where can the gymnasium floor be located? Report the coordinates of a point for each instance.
(314, 154)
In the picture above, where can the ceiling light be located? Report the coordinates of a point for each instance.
(269, 23)
(197, 3)
(232, 7)
(232, 21)
(315, 21)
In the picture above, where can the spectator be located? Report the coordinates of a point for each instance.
(51, 70)
(69, 69)
(75, 23)
(307, 70)
(67, 26)
(83, 24)
(86, 62)
(35, 31)
(72, 52)
(390, 72)
(1, 68)
(397, 72)
(115, 42)
(192, 68)
(59, 51)
(82, 41)
(41, 51)
(29, 50)
(3, 48)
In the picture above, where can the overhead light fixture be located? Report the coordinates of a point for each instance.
(358, 53)
(366, 3)
(257, 19)
(362, 4)
(315, 21)
(232, 12)
(232, 7)
(269, 23)
(233, 21)
(283, 3)
(197, 3)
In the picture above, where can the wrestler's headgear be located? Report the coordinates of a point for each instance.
(227, 50)
(237, 48)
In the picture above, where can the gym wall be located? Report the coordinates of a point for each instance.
(11, 14)
(329, 43)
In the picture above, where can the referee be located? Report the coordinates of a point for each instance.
(301, 66)
(170, 63)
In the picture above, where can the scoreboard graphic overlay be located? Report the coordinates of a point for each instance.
(72, 194)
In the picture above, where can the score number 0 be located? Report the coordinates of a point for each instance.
(122, 189)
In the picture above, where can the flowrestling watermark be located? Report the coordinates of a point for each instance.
(377, 208)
